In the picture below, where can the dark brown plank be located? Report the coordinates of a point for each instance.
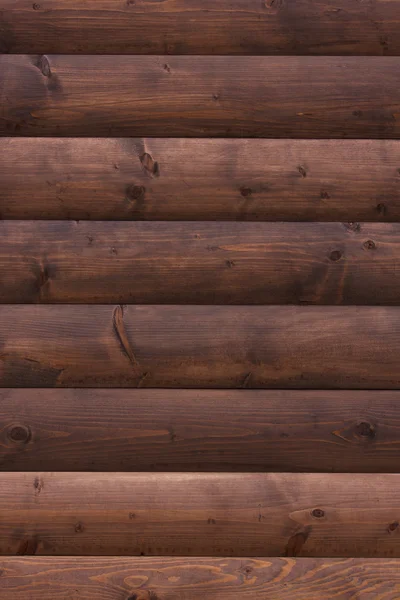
(200, 346)
(205, 430)
(200, 179)
(200, 514)
(148, 578)
(199, 263)
(200, 27)
(201, 96)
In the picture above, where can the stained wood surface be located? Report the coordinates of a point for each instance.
(198, 578)
(201, 96)
(200, 179)
(200, 514)
(200, 27)
(205, 430)
(200, 346)
(199, 263)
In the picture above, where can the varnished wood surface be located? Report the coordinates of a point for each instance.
(200, 346)
(200, 27)
(199, 263)
(112, 578)
(200, 514)
(200, 179)
(199, 430)
(200, 96)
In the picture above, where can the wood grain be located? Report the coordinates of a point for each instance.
(200, 179)
(200, 514)
(200, 27)
(200, 347)
(198, 578)
(199, 263)
(205, 430)
(200, 96)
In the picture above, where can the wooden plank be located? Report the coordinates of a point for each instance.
(200, 27)
(200, 96)
(111, 578)
(200, 346)
(199, 262)
(200, 179)
(200, 514)
(205, 430)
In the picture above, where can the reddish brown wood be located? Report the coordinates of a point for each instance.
(197, 514)
(199, 96)
(199, 430)
(200, 179)
(200, 27)
(200, 346)
(199, 263)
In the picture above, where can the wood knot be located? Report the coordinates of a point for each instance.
(19, 434)
(246, 192)
(43, 277)
(135, 192)
(79, 527)
(38, 484)
(302, 171)
(167, 68)
(335, 255)
(356, 227)
(44, 66)
(392, 527)
(324, 195)
(318, 513)
(28, 547)
(271, 4)
(369, 245)
(381, 209)
(357, 113)
(365, 430)
(150, 165)
(36, 6)
(120, 331)
(296, 542)
(211, 521)
(230, 263)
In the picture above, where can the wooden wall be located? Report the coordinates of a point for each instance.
(199, 299)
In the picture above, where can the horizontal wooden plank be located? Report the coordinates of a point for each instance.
(200, 346)
(200, 96)
(199, 262)
(200, 27)
(145, 578)
(204, 430)
(200, 179)
(200, 514)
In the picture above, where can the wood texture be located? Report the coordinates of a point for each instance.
(205, 430)
(200, 27)
(200, 179)
(199, 514)
(200, 346)
(201, 96)
(39, 578)
(199, 263)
